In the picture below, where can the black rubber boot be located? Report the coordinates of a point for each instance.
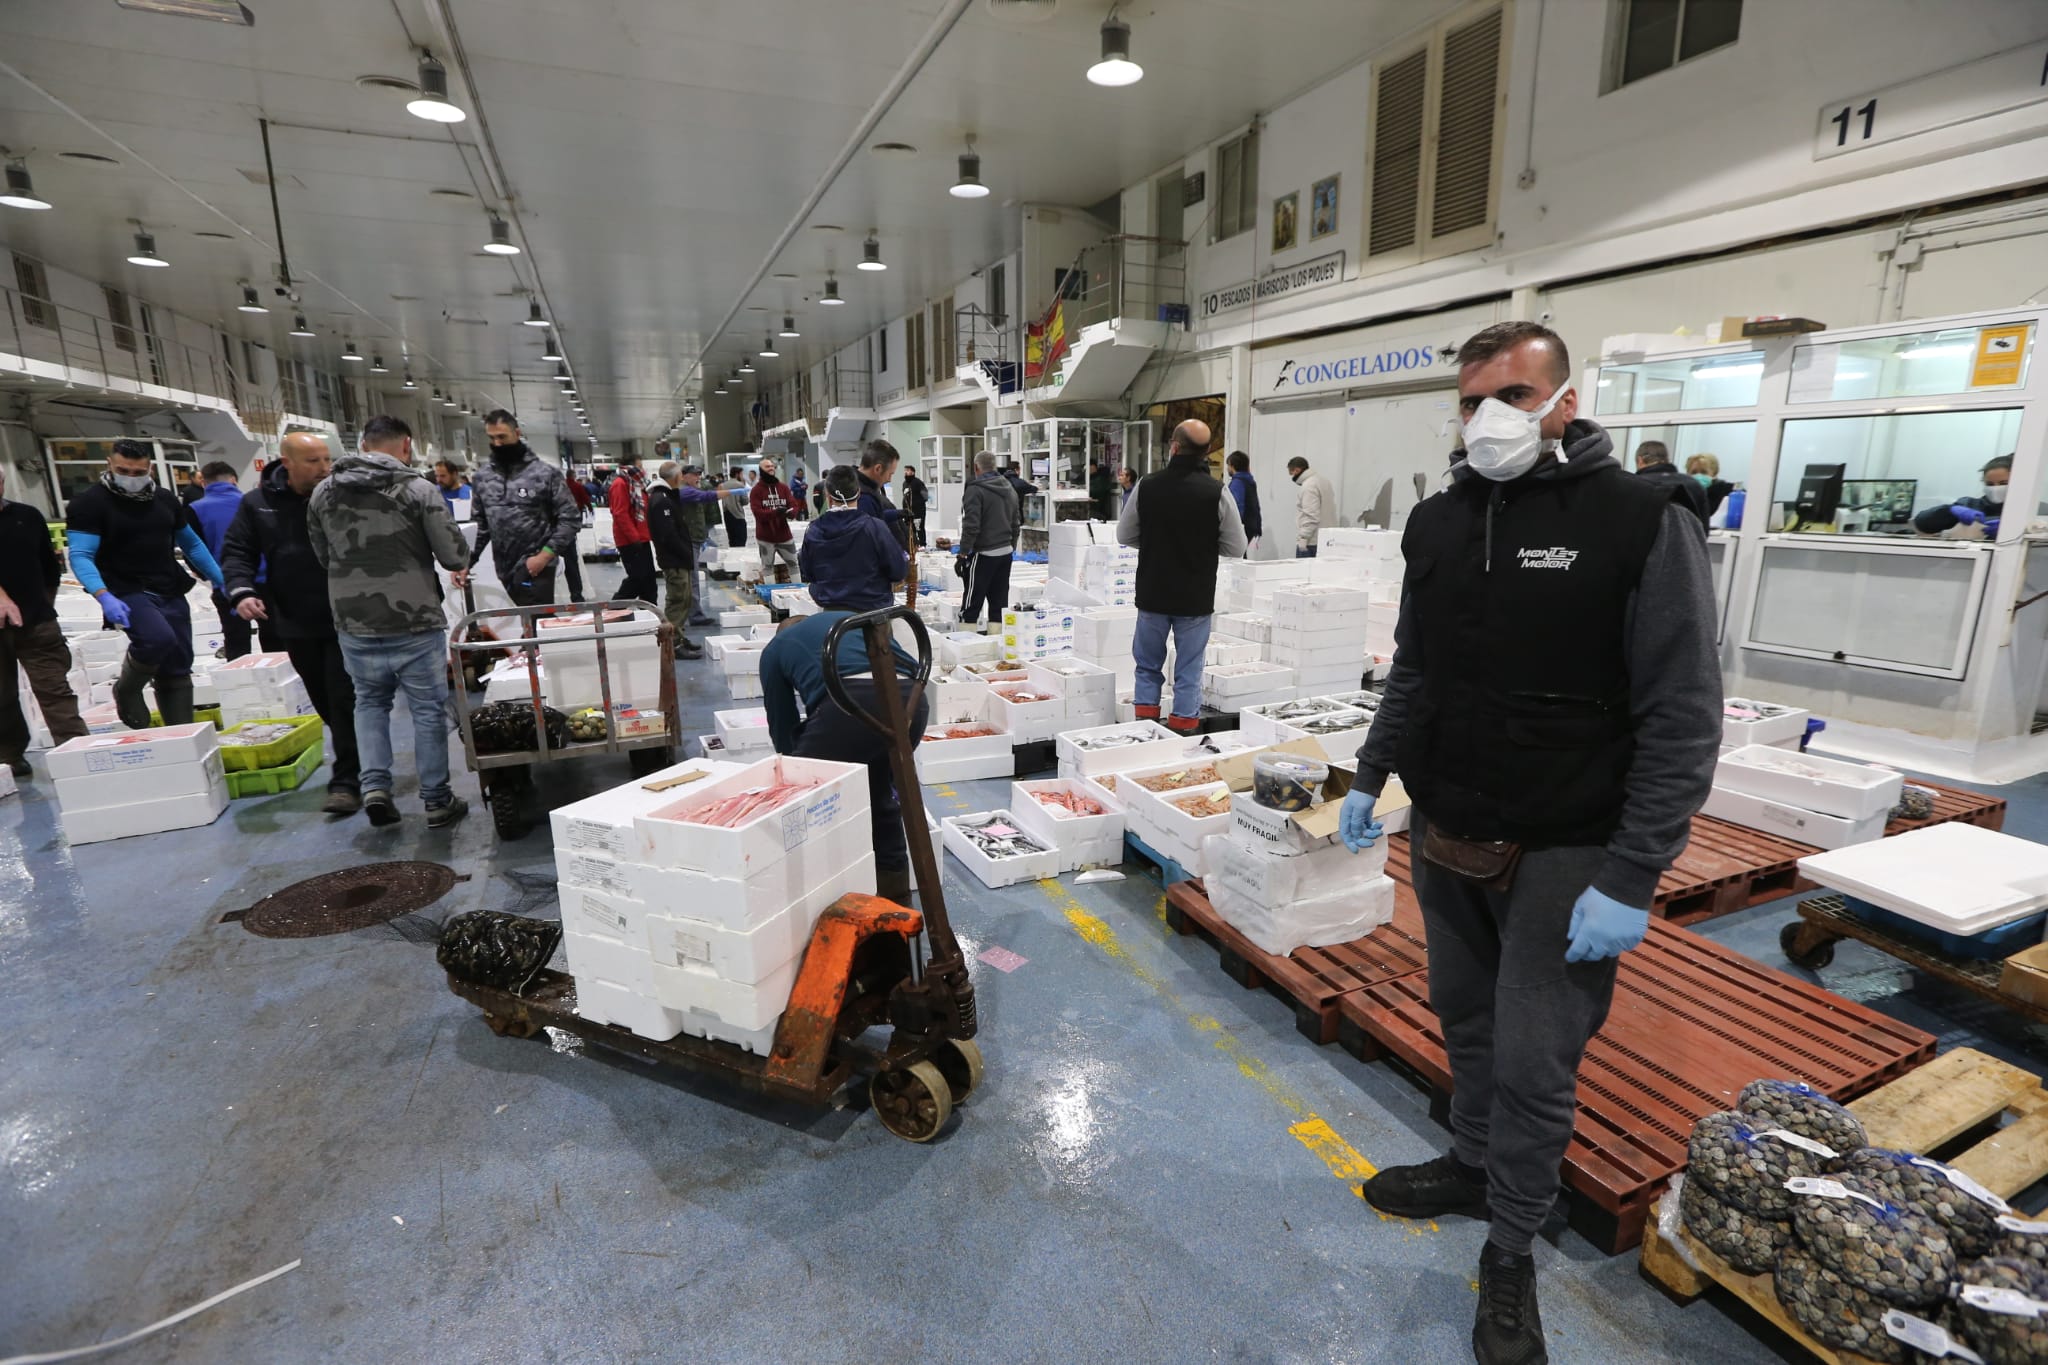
(129, 703)
(174, 700)
(894, 886)
(1508, 1329)
(1434, 1189)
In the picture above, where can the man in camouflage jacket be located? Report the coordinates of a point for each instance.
(378, 527)
(524, 514)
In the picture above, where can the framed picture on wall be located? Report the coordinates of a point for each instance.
(1286, 209)
(1323, 208)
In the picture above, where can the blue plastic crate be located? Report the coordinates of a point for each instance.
(2003, 941)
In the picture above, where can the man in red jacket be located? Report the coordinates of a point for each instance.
(772, 505)
(628, 499)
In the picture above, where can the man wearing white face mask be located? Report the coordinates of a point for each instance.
(1985, 510)
(1554, 710)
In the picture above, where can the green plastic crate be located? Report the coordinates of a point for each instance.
(279, 752)
(271, 781)
(199, 713)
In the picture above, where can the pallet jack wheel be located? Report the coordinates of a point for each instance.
(913, 1102)
(1799, 945)
(507, 810)
(959, 1061)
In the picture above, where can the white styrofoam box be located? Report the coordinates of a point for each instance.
(1223, 684)
(716, 645)
(133, 749)
(600, 910)
(1116, 748)
(1224, 649)
(957, 698)
(728, 902)
(968, 646)
(97, 823)
(1246, 575)
(743, 657)
(1102, 786)
(158, 782)
(1955, 877)
(1107, 851)
(1026, 721)
(1761, 722)
(1313, 681)
(1364, 542)
(1284, 903)
(1343, 654)
(1105, 630)
(608, 957)
(607, 1002)
(1156, 811)
(99, 717)
(739, 618)
(746, 687)
(932, 771)
(603, 824)
(763, 633)
(1054, 827)
(8, 786)
(1310, 607)
(1080, 534)
(1832, 786)
(99, 646)
(1343, 573)
(748, 1007)
(509, 681)
(749, 955)
(836, 793)
(1075, 678)
(1257, 724)
(1790, 822)
(997, 872)
(253, 672)
(1166, 842)
(102, 694)
(744, 723)
(1243, 625)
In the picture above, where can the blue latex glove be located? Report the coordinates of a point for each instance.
(1603, 927)
(115, 610)
(1355, 825)
(1966, 516)
(1991, 527)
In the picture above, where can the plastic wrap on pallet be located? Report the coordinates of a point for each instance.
(1749, 1243)
(1965, 1210)
(1892, 1251)
(1747, 1162)
(2002, 1310)
(1799, 1108)
(1834, 1311)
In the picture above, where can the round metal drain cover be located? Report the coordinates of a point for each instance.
(354, 898)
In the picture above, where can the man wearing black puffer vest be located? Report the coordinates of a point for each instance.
(1554, 711)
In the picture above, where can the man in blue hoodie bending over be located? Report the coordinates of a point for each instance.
(849, 561)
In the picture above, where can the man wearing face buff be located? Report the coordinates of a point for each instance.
(1554, 711)
(124, 537)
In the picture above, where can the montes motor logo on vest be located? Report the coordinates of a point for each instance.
(1556, 557)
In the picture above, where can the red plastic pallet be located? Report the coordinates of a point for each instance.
(1692, 1023)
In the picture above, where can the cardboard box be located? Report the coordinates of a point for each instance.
(145, 817)
(132, 750)
(2025, 976)
(837, 793)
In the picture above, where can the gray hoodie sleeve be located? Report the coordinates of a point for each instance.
(1376, 755)
(1127, 519)
(444, 537)
(1230, 542)
(1674, 669)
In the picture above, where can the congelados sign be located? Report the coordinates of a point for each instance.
(1282, 372)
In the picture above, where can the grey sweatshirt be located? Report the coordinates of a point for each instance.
(521, 505)
(378, 527)
(1675, 693)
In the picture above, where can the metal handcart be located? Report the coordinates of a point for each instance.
(506, 778)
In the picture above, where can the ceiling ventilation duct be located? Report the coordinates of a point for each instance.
(1021, 11)
(220, 11)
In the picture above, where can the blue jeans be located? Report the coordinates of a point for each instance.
(160, 632)
(1190, 646)
(380, 666)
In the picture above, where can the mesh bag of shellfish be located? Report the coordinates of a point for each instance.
(1746, 1161)
(2002, 1310)
(1835, 1312)
(1964, 1209)
(1893, 1251)
(2019, 1239)
(1747, 1242)
(1799, 1108)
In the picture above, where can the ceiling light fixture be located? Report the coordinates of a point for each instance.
(220, 11)
(449, 402)
(349, 351)
(768, 351)
(551, 351)
(299, 327)
(533, 317)
(969, 185)
(831, 297)
(250, 302)
(1116, 66)
(720, 390)
(408, 384)
(501, 244)
(562, 375)
(746, 367)
(871, 254)
(21, 191)
(433, 104)
(789, 326)
(145, 252)
(377, 365)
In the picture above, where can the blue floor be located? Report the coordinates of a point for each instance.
(1158, 1168)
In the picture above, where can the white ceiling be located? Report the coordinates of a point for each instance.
(654, 151)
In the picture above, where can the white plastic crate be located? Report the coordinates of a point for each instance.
(997, 872)
(1790, 822)
(1745, 722)
(836, 793)
(1832, 786)
(133, 750)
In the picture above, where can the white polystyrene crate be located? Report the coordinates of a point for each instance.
(742, 617)
(609, 1002)
(252, 672)
(1339, 654)
(934, 747)
(742, 658)
(716, 645)
(746, 687)
(590, 910)
(1257, 724)
(997, 872)
(608, 957)
(1310, 603)
(835, 793)
(99, 647)
(966, 647)
(1074, 678)
(1790, 822)
(634, 678)
(747, 1006)
(510, 681)
(1759, 722)
(1026, 721)
(1156, 811)
(1102, 786)
(603, 823)
(100, 823)
(1224, 649)
(744, 905)
(1054, 828)
(130, 750)
(742, 721)
(1832, 786)
(1954, 877)
(1226, 685)
(1243, 626)
(750, 955)
(1281, 904)
(1102, 748)
(158, 782)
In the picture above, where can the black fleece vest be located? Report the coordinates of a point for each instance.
(1179, 537)
(1519, 596)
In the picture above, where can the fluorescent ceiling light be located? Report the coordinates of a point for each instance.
(21, 191)
(1116, 66)
(871, 255)
(145, 252)
(433, 105)
(501, 243)
(250, 302)
(220, 11)
(533, 317)
(299, 327)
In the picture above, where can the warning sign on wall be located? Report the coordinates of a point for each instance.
(2001, 356)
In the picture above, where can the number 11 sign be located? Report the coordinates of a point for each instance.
(1974, 90)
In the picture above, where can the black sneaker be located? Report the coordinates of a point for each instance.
(1508, 1329)
(1433, 1189)
(381, 809)
(687, 648)
(440, 817)
(341, 801)
(20, 767)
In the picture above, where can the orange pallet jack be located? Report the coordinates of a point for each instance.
(870, 963)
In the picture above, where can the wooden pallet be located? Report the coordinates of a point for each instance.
(1691, 1024)
(1310, 980)
(1923, 1111)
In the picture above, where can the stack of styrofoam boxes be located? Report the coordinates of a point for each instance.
(940, 759)
(260, 687)
(1247, 626)
(1348, 553)
(632, 651)
(1116, 748)
(1103, 636)
(95, 663)
(1077, 841)
(1170, 830)
(1249, 584)
(935, 571)
(1089, 689)
(740, 663)
(1745, 722)
(1035, 632)
(1825, 802)
(1068, 545)
(969, 647)
(672, 927)
(793, 598)
(138, 782)
(1087, 555)
(1026, 708)
(1284, 887)
(739, 618)
(1232, 687)
(743, 734)
(1319, 632)
(509, 680)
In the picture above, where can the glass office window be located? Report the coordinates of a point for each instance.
(1953, 360)
(1887, 475)
(1718, 450)
(1713, 381)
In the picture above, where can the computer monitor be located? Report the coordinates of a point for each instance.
(1820, 495)
(1888, 502)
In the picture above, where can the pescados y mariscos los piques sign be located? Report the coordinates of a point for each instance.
(1315, 274)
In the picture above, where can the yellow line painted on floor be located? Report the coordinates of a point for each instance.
(1310, 1129)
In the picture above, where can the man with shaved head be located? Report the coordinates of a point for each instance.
(1181, 518)
(273, 578)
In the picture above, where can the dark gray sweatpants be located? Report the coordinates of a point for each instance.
(1516, 1019)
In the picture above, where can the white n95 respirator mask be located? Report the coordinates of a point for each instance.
(1503, 442)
